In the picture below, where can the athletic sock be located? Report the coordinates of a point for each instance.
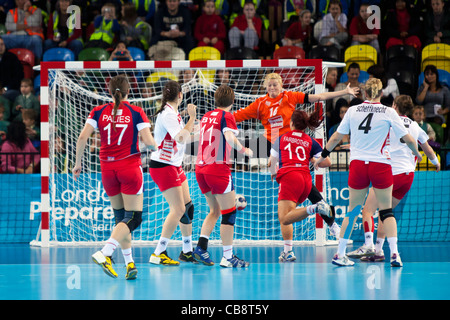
(368, 239)
(393, 245)
(162, 245)
(311, 209)
(187, 244)
(288, 244)
(127, 256)
(109, 248)
(228, 252)
(342, 247)
(379, 244)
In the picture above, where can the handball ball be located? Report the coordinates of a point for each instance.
(241, 203)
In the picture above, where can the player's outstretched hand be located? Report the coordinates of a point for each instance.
(353, 91)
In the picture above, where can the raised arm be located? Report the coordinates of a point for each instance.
(81, 144)
(335, 94)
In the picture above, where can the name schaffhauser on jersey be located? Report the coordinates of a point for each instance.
(369, 125)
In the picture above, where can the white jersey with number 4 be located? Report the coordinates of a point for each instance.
(368, 124)
(168, 124)
(403, 160)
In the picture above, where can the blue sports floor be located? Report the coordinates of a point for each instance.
(67, 273)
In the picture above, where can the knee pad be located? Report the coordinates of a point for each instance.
(132, 219)
(119, 214)
(188, 215)
(229, 216)
(387, 213)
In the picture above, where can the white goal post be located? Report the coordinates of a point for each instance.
(78, 212)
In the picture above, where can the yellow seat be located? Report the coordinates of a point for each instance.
(363, 54)
(425, 164)
(437, 54)
(156, 76)
(202, 54)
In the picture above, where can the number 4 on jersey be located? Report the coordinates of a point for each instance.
(365, 124)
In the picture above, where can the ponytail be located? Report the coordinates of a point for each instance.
(170, 93)
(302, 120)
(119, 87)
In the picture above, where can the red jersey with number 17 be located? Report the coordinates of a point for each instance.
(123, 141)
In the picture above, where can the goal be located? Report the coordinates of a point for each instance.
(79, 212)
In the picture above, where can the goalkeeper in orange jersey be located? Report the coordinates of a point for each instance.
(274, 110)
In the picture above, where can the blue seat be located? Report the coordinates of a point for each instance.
(363, 77)
(37, 84)
(136, 53)
(59, 54)
(444, 77)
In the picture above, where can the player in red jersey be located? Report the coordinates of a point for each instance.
(294, 151)
(217, 137)
(120, 124)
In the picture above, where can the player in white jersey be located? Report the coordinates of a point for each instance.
(171, 136)
(403, 165)
(369, 124)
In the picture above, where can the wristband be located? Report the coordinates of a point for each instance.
(434, 161)
(325, 153)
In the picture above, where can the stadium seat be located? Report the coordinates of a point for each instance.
(157, 76)
(58, 54)
(363, 54)
(26, 57)
(406, 80)
(425, 164)
(326, 53)
(363, 77)
(136, 53)
(37, 84)
(444, 78)
(289, 52)
(93, 54)
(407, 56)
(205, 53)
(240, 53)
(437, 54)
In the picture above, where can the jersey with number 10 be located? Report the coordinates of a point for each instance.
(369, 124)
(123, 141)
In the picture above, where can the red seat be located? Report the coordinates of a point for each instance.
(26, 57)
(289, 52)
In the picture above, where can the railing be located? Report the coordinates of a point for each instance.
(8, 158)
(340, 160)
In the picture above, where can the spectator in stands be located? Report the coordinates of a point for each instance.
(24, 26)
(133, 31)
(324, 7)
(18, 148)
(224, 76)
(390, 87)
(106, 28)
(173, 22)
(300, 33)
(32, 129)
(334, 26)
(353, 73)
(11, 72)
(145, 9)
(418, 116)
(246, 27)
(434, 97)
(58, 34)
(403, 26)
(344, 143)
(210, 29)
(437, 24)
(3, 122)
(295, 7)
(359, 31)
(120, 53)
(26, 100)
(261, 10)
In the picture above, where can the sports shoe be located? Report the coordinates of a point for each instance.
(187, 257)
(202, 256)
(287, 256)
(105, 263)
(377, 257)
(335, 230)
(233, 262)
(163, 259)
(323, 208)
(131, 271)
(342, 262)
(396, 261)
(362, 252)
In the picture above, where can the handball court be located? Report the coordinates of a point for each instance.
(67, 273)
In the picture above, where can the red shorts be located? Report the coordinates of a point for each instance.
(402, 184)
(362, 173)
(215, 184)
(294, 186)
(123, 176)
(167, 177)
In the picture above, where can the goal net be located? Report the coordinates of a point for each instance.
(80, 212)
